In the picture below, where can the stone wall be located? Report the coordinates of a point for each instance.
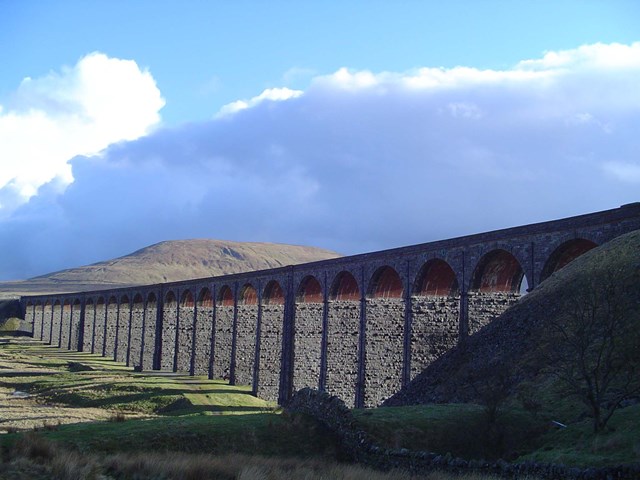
(484, 307)
(33, 316)
(185, 338)
(122, 345)
(434, 329)
(89, 323)
(56, 319)
(98, 331)
(169, 329)
(271, 327)
(342, 349)
(149, 335)
(384, 350)
(110, 330)
(47, 313)
(65, 326)
(76, 317)
(202, 352)
(222, 341)
(245, 343)
(135, 340)
(307, 345)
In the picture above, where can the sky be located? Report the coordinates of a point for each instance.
(347, 125)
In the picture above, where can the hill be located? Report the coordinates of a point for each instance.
(515, 348)
(170, 261)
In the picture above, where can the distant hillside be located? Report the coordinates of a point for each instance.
(170, 261)
(511, 341)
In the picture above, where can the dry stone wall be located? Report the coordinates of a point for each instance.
(203, 331)
(434, 329)
(307, 347)
(342, 349)
(245, 343)
(223, 340)
(271, 328)
(384, 349)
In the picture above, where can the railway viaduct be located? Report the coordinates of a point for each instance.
(359, 327)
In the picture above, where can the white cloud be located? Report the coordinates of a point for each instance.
(78, 111)
(358, 161)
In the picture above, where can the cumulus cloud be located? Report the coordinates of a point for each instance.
(77, 111)
(358, 161)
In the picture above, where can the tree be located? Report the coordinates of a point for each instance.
(593, 346)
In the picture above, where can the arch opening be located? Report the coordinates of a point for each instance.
(310, 290)
(345, 288)
(151, 298)
(565, 254)
(386, 283)
(124, 299)
(225, 297)
(248, 295)
(170, 298)
(205, 299)
(187, 299)
(436, 278)
(497, 271)
(137, 300)
(273, 294)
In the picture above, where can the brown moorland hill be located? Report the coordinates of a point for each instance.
(167, 262)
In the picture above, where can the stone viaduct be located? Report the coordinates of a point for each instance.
(359, 327)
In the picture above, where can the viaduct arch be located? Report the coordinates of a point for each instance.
(359, 327)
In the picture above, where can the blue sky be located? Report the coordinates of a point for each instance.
(346, 125)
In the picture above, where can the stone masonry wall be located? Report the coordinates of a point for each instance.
(64, 327)
(223, 339)
(76, 314)
(56, 319)
(169, 324)
(112, 324)
(270, 352)
(135, 347)
(384, 350)
(36, 318)
(98, 331)
(434, 329)
(149, 335)
(246, 343)
(202, 353)
(89, 321)
(342, 350)
(484, 307)
(47, 312)
(307, 345)
(185, 338)
(124, 317)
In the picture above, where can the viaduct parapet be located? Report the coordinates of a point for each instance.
(359, 327)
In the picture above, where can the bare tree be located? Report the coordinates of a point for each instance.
(593, 347)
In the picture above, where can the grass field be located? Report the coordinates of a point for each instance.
(158, 416)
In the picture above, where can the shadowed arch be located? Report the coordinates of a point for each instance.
(436, 278)
(187, 299)
(204, 298)
(124, 299)
(67, 302)
(497, 271)
(386, 283)
(170, 298)
(112, 300)
(225, 296)
(345, 287)
(138, 300)
(273, 294)
(89, 301)
(248, 295)
(564, 254)
(100, 301)
(151, 298)
(310, 290)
